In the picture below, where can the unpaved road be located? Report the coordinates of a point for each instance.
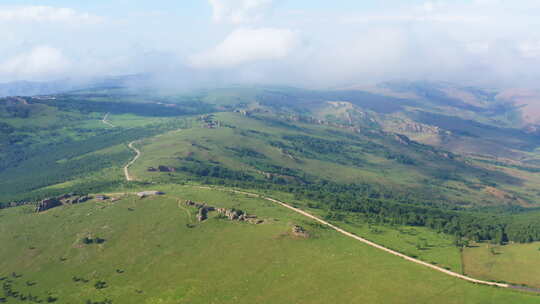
(370, 243)
(129, 178)
(105, 121)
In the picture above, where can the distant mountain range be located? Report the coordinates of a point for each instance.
(515, 108)
(32, 88)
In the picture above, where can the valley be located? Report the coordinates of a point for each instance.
(385, 194)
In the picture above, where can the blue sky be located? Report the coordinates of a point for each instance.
(304, 42)
(199, 6)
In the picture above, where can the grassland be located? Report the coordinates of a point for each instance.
(155, 252)
(515, 263)
(419, 242)
(150, 255)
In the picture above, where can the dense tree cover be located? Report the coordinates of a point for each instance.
(154, 109)
(15, 111)
(51, 164)
(41, 172)
(298, 100)
(18, 149)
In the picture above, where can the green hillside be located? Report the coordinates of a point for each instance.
(422, 174)
(153, 251)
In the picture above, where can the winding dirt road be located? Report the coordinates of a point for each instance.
(105, 121)
(370, 243)
(129, 178)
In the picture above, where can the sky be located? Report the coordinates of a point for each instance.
(315, 43)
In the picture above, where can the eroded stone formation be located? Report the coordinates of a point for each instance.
(47, 204)
(66, 199)
(231, 214)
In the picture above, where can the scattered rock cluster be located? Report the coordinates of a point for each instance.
(14, 204)
(209, 122)
(239, 215)
(66, 199)
(231, 214)
(47, 204)
(299, 231)
(414, 127)
(202, 214)
(203, 209)
(316, 121)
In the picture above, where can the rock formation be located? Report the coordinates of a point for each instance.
(66, 199)
(231, 214)
(299, 231)
(47, 204)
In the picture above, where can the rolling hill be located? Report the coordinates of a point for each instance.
(428, 170)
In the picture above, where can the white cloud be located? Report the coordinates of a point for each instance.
(42, 62)
(248, 45)
(239, 11)
(34, 13)
(476, 40)
(435, 18)
(530, 49)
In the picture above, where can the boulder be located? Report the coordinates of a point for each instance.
(82, 199)
(47, 204)
(299, 231)
(202, 215)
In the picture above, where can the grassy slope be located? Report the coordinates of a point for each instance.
(217, 261)
(212, 145)
(420, 242)
(423, 243)
(516, 263)
(167, 149)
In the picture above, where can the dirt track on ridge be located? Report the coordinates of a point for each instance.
(105, 121)
(129, 178)
(370, 243)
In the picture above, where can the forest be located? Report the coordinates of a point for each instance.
(23, 172)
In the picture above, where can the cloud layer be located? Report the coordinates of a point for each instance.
(488, 42)
(39, 63)
(239, 11)
(246, 46)
(37, 13)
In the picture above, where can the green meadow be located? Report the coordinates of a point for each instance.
(514, 263)
(333, 159)
(153, 251)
